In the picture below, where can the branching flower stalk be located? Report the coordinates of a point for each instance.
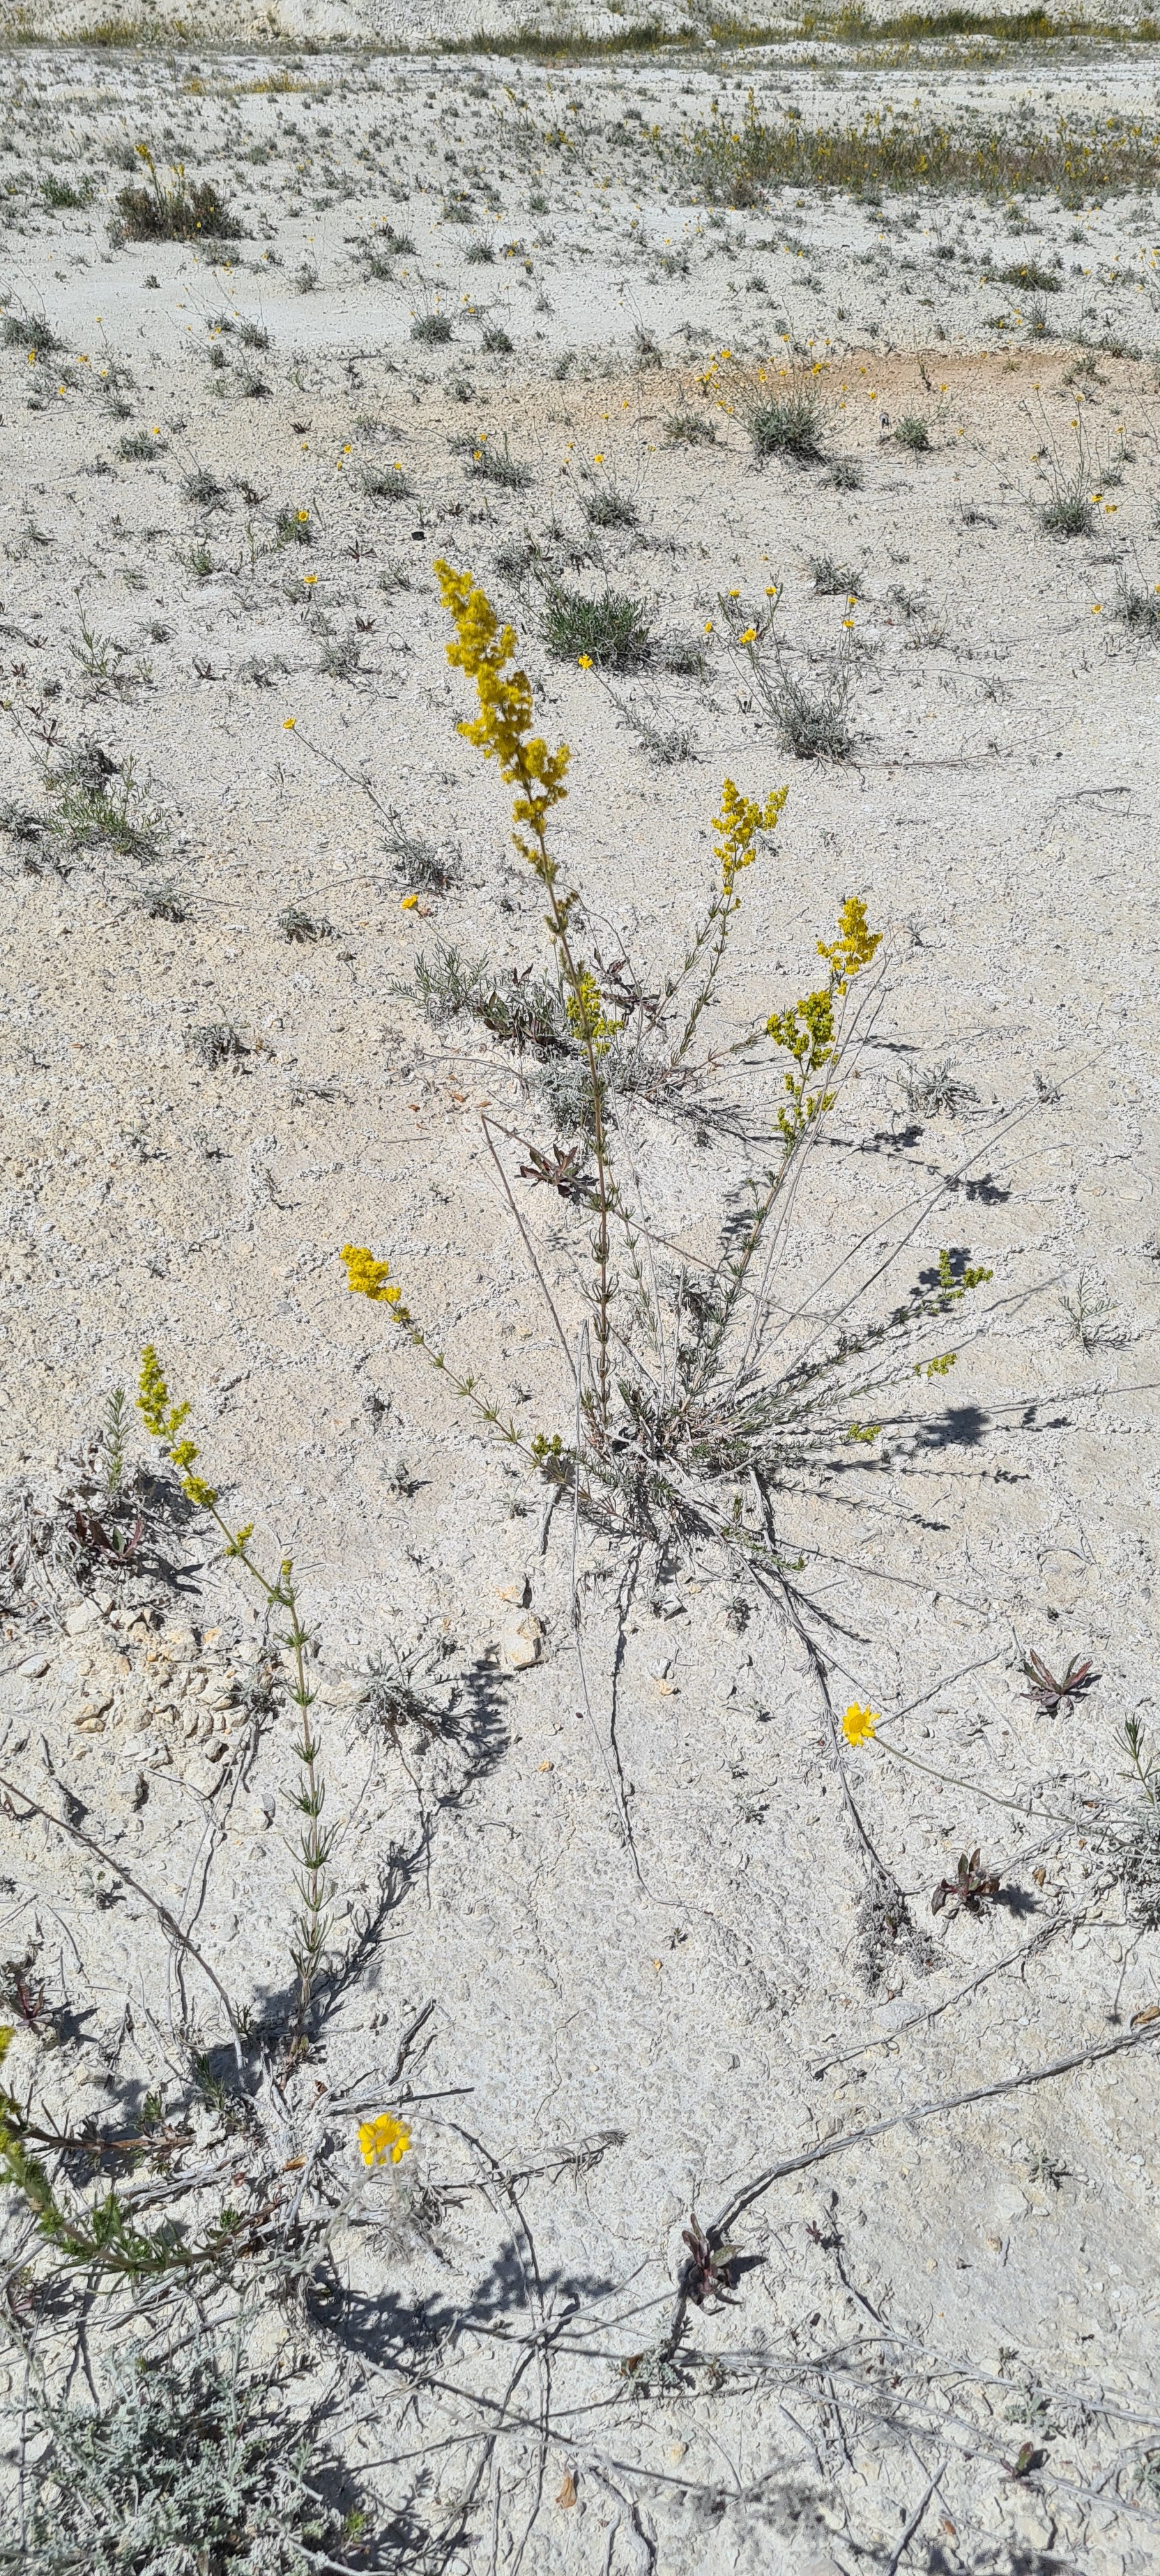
(737, 825)
(503, 732)
(698, 1403)
(165, 1420)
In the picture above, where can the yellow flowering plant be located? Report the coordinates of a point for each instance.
(165, 1421)
(694, 1397)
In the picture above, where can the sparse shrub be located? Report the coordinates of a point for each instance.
(181, 2465)
(433, 329)
(386, 483)
(649, 1449)
(62, 193)
(84, 1524)
(303, 928)
(202, 489)
(524, 1010)
(98, 803)
(1137, 605)
(912, 432)
(30, 331)
(293, 527)
(383, 249)
(1090, 1313)
(489, 460)
(139, 446)
(253, 335)
(811, 715)
(845, 473)
(1070, 511)
(791, 423)
(480, 254)
(340, 657)
(808, 707)
(832, 579)
(612, 630)
(164, 901)
(1031, 276)
(606, 506)
(685, 428)
(938, 1092)
(175, 213)
(215, 1042)
(496, 341)
(685, 656)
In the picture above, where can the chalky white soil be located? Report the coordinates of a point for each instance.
(621, 2030)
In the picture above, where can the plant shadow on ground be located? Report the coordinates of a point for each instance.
(473, 1733)
(383, 2327)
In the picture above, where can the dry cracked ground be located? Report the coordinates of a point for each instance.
(683, 2262)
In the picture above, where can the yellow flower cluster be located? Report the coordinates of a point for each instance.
(858, 1724)
(502, 729)
(854, 946)
(383, 2141)
(366, 1277)
(740, 820)
(807, 1031)
(164, 1420)
(586, 1015)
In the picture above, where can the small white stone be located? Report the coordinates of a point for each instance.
(86, 1615)
(520, 1643)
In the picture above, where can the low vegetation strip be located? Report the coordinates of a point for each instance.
(893, 148)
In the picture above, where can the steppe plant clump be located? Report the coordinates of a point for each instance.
(686, 1406)
(183, 2460)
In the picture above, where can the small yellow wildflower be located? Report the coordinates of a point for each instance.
(383, 2141)
(749, 636)
(598, 458)
(308, 580)
(288, 723)
(585, 662)
(859, 1724)
(408, 903)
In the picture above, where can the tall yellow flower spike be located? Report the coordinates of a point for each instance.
(503, 728)
(164, 1420)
